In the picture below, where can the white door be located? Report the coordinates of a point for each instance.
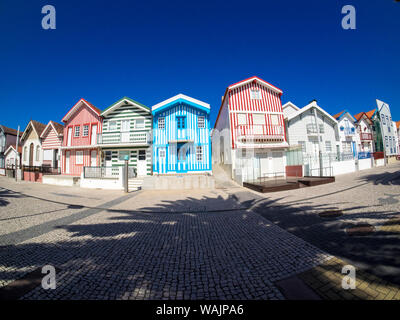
(93, 139)
(264, 165)
(142, 163)
(125, 127)
(93, 158)
(277, 163)
(108, 163)
(69, 136)
(162, 156)
(67, 156)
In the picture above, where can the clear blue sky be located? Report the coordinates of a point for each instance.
(151, 50)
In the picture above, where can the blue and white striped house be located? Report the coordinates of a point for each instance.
(181, 136)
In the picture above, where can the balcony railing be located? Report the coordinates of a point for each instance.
(135, 138)
(365, 136)
(312, 129)
(262, 132)
(107, 172)
(349, 131)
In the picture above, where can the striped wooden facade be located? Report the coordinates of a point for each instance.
(127, 130)
(83, 147)
(51, 143)
(181, 147)
(240, 102)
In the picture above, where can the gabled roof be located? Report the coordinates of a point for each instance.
(341, 114)
(256, 79)
(10, 131)
(179, 98)
(12, 147)
(313, 104)
(124, 100)
(370, 114)
(57, 127)
(361, 115)
(37, 126)
(76, 107)
(398, 125)
(290, 104)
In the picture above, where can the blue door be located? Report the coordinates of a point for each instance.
(354, 149)
(182, 151)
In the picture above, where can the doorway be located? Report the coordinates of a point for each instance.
(31, 155)
(142, 163)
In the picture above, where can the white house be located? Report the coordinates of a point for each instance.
(315, 131)
(388, 129)
(349, 139)
(365, 132)
(32, 154)
(11, 155)
(397, 136)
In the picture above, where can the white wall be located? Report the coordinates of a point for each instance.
(347, 122)
(27, 143)
(343, 167)
(364, 164)
(222, 153)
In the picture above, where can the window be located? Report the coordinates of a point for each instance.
(79, 157)
(303, 145)
(259, 119)
(328, 146)
(122, 154)
(322, 128)
(37, 153)
(386, 142)
(48, 155)
(255, 94)
(161, 153)
(199, 153)
(86, 130)
(77, 131)
(108, 156)
(112, 126)
(161, 123)
(142, 154)
(201, 122)
(346, 146)
(139, 124)
(242, 119)
(181, 122)
(274, 120)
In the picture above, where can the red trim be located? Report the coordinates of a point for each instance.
(87, 103)
(86, 124)
(73, 133)
(83, 156)
(254, 77)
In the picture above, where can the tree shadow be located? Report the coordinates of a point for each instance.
(385, 178)
(5, 194)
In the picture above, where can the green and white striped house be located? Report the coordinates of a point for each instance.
(127, 128)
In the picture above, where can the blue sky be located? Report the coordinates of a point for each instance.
(150, 51)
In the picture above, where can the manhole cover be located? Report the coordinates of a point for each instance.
(360, 230)
(330, 214)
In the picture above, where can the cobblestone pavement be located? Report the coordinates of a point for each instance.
(145, 245)
(366, 197)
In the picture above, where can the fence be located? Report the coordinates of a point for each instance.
(47, 170)
(106, 172)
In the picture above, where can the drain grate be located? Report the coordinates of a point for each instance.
(360, 230)
(331, 214)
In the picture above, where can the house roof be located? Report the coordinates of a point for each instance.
(360, 115)
(257, 79)
(181, 98)
(398, 125)
(57, 127)
(291, 104)
(10, 131)
(12, 147)
(36, 125)
(308, 107)
(76, 107)
(370, 114)
(120, 102)
(341, 114)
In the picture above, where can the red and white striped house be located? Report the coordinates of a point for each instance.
(81, 125)
(52, 138)
(249, 133)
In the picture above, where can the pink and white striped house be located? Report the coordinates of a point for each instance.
(249, 134)
(81, 126)
(52, 138)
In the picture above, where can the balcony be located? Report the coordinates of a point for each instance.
(260, 133)
(348, 131)
(124, 138)
(312, 129)
(365, 136)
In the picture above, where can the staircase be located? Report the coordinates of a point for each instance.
(135, 184)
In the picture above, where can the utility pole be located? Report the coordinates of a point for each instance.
(16, 156)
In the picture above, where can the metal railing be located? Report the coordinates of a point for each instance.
(349, 131)
(139, 138)
(312, 129)
(107, 172)
(316, 172)
(259, 131)
(47, 170)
